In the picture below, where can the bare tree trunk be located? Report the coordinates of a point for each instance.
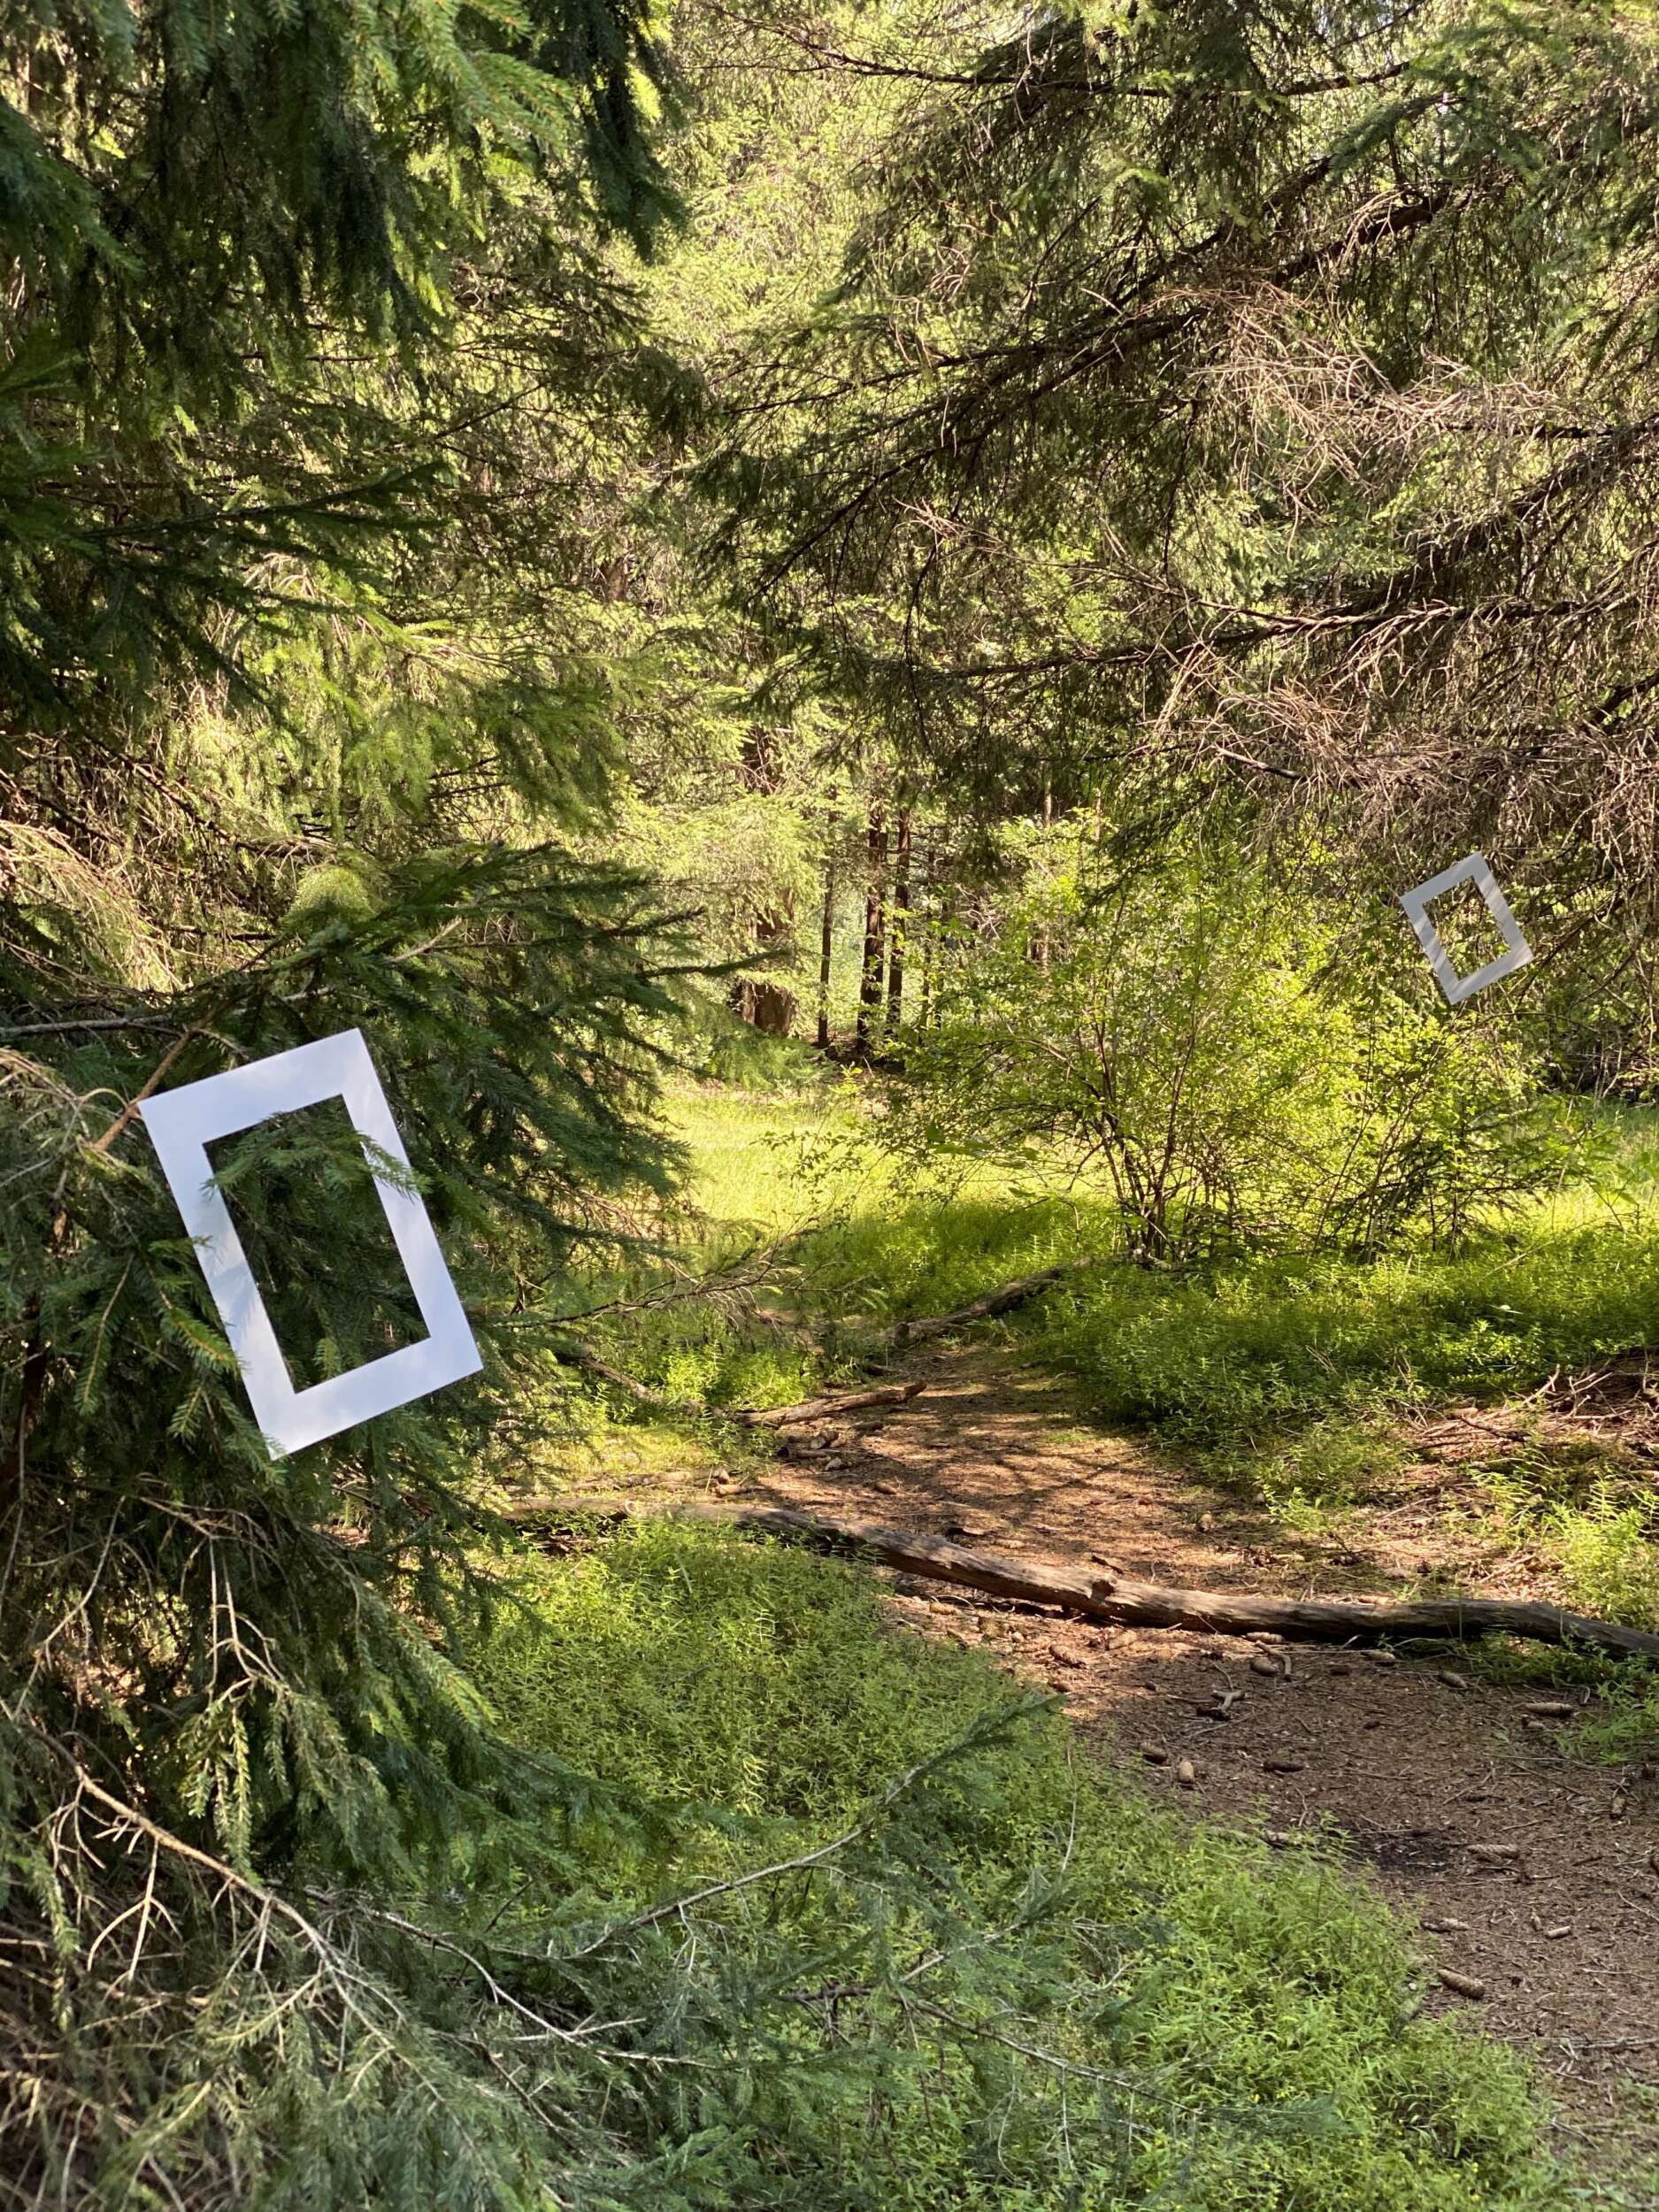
(927, 908)
(931, 907)
(826, 944)
(1044, 947)
(898, 930)
(767, 1006)
(875, 930)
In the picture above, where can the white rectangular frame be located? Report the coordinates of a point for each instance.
(182, 1122)
(1517, 952)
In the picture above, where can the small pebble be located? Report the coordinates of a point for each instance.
(1187, 1775)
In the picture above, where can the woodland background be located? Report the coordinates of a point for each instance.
(836, 629)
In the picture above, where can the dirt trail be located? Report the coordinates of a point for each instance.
(1538, 1874)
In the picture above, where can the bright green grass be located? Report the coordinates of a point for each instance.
(1287, 1381)
(1236, 2032)
(1236, 1353)
(845, 1244)
(1233, 1356)
(1285, 1377)
(743, 1148)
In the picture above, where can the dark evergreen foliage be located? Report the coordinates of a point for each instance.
(328, 603)
(1240, 399)
(280, 754)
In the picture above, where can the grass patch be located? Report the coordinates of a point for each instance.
(1289, 1379)
(1235, 1358)
(806, 1241)
(1239, 1355)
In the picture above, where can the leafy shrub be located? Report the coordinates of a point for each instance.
(1184, 1042)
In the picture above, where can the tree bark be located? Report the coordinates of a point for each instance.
(933, 903)
(1045, 949)
(1112, 1597)
(870, 979)
(899, 924)
(827, 946)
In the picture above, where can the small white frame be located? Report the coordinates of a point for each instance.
(1471, 869)
(182, 1122)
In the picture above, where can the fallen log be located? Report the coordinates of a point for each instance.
(823, 1409)
(1115, 1598)
(1002, 1301)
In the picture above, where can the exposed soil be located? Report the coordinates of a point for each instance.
(1533, 1873)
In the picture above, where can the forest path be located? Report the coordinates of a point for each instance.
(1541, 1871)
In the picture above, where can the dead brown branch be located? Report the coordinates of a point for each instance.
(1115, 1598)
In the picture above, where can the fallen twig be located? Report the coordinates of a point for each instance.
(575, 1354)
(746, 1417)
(994, 1302)
(823, 1409)
(590, 1363)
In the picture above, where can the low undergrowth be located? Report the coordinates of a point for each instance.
(805, 1243)
(1017, 1983)
(1236, 1355)
(1296, 1381)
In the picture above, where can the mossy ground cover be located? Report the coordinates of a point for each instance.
(1033, 1988)
(1019, 1983)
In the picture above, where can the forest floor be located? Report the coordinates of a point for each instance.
(1535, 1871)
